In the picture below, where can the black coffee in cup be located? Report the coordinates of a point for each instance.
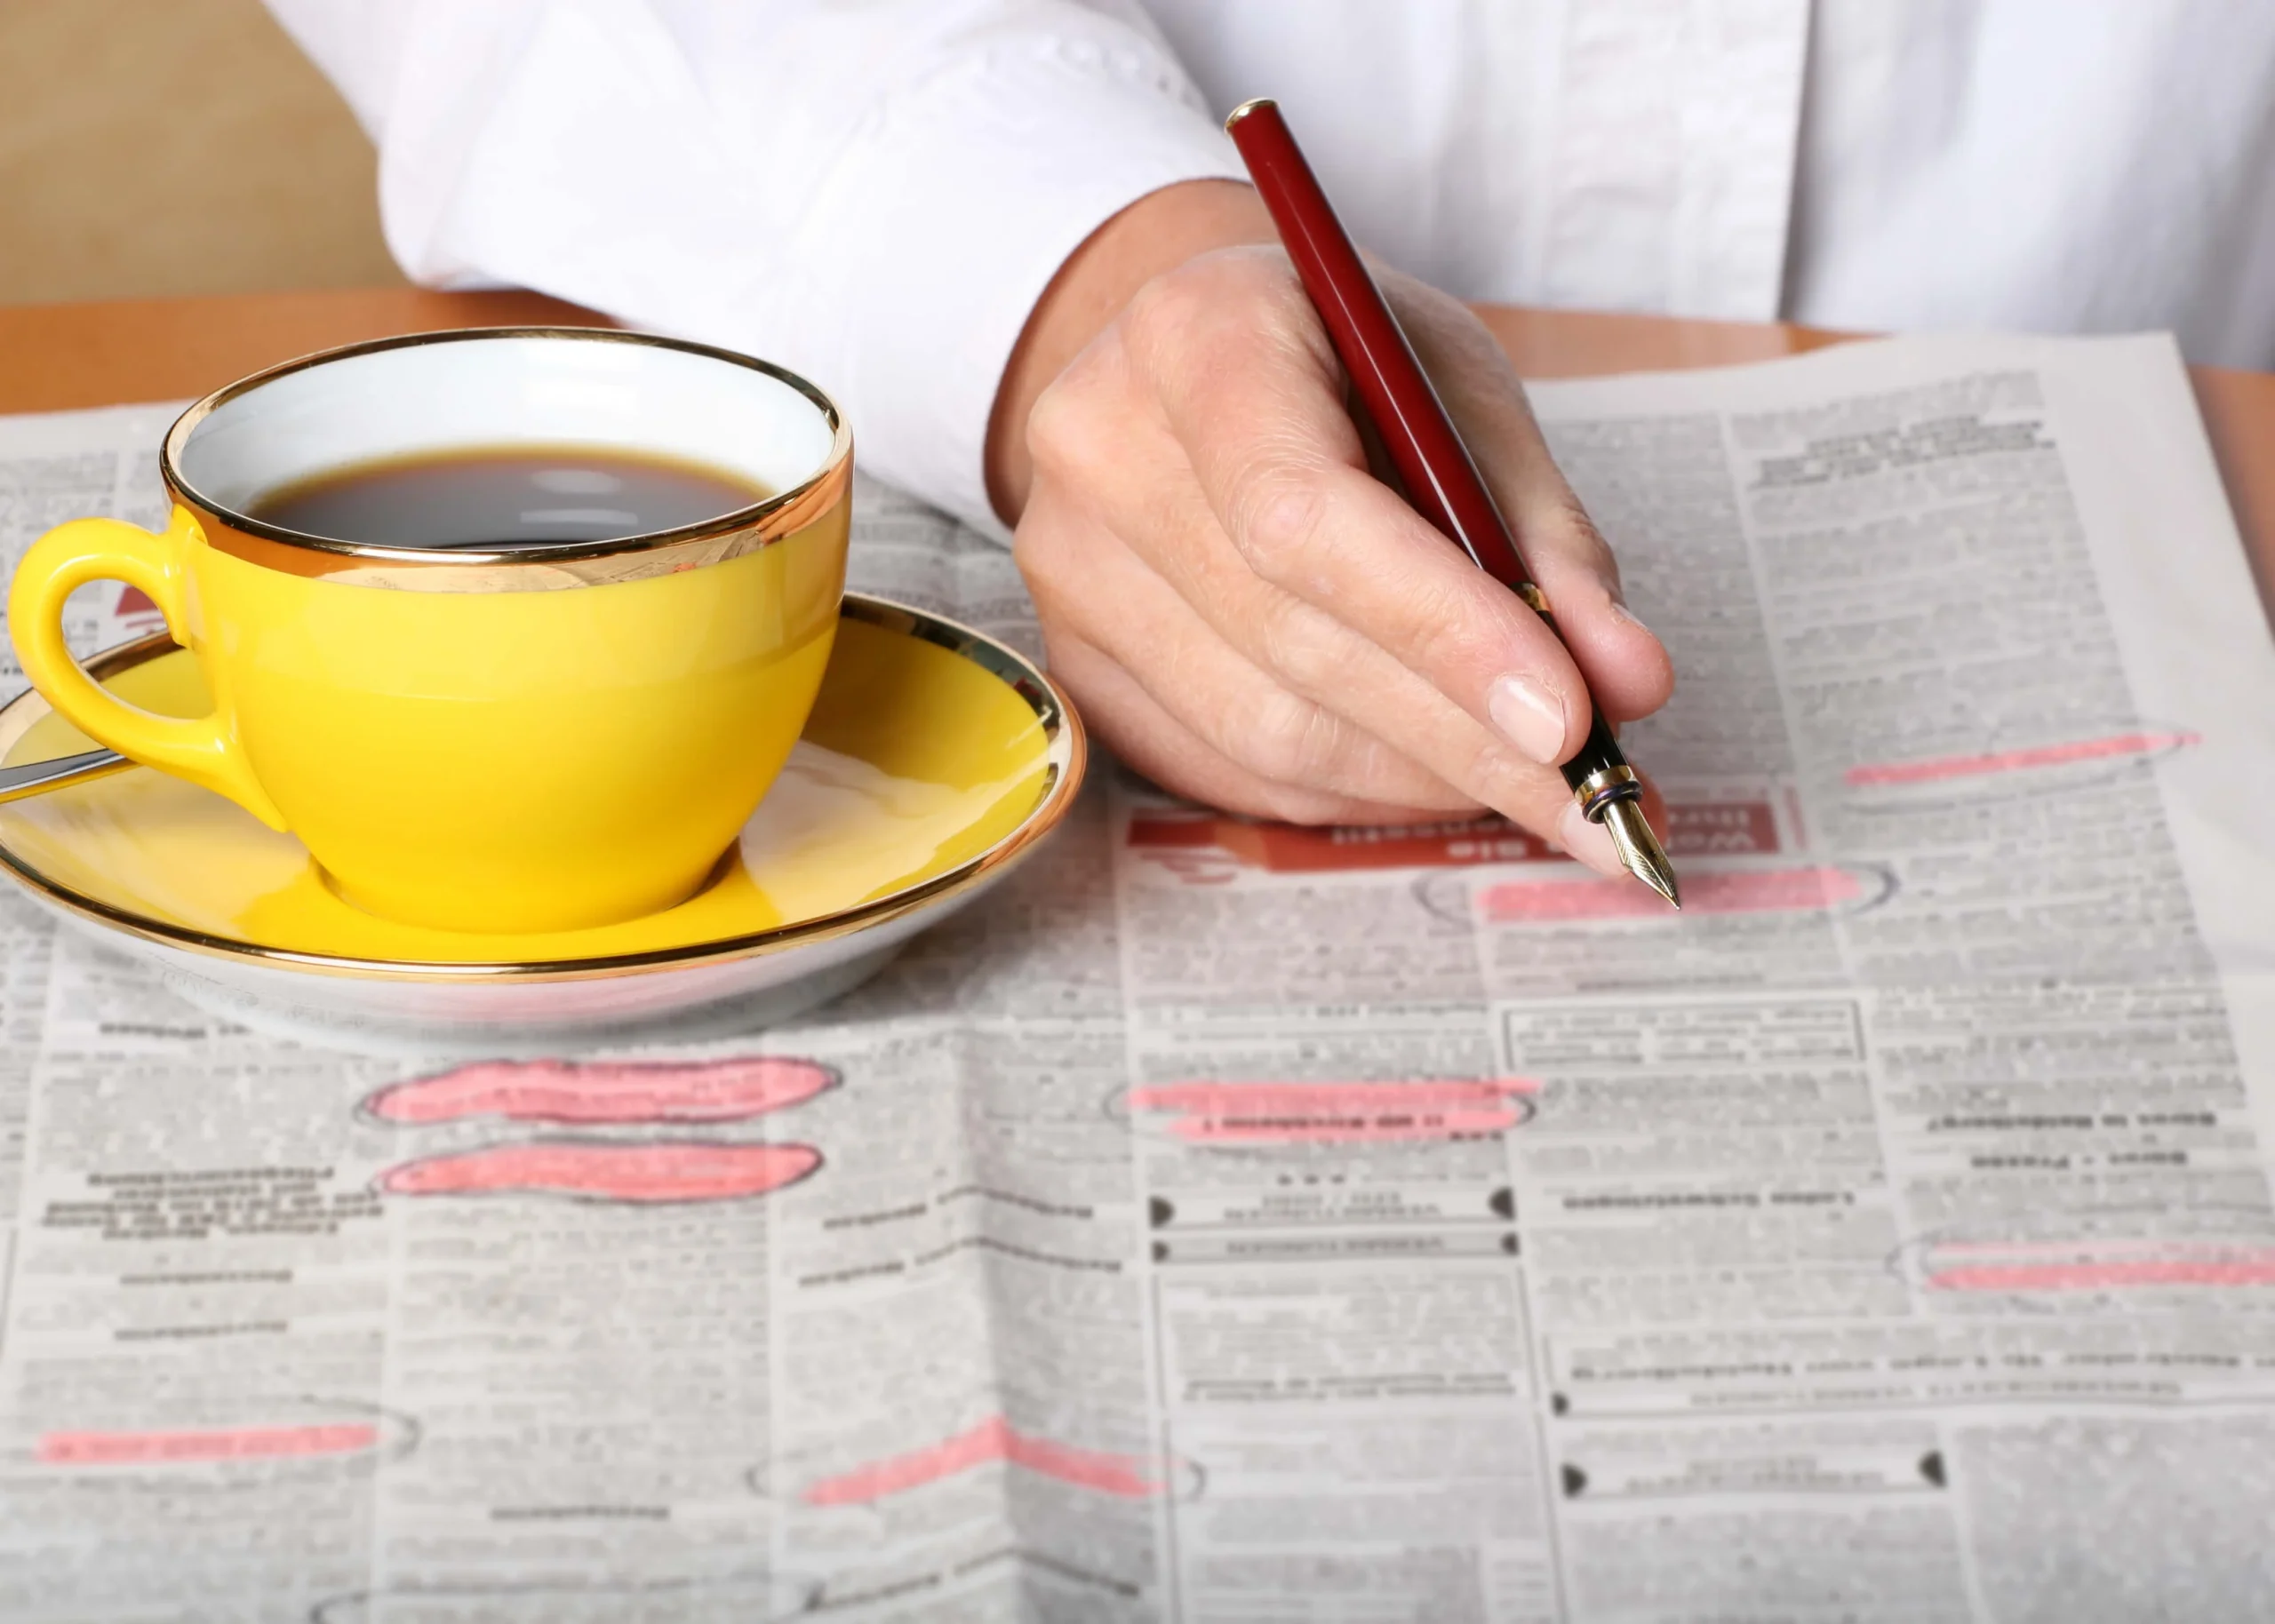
(511, 495)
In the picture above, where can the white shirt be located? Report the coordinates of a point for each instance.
(875, 192)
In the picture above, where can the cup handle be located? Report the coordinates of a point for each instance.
(205, 750)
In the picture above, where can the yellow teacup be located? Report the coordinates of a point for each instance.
(534, 737)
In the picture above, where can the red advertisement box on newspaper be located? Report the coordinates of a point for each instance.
(1177, 835)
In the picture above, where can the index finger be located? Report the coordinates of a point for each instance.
(1626, 667)
(1249, 388)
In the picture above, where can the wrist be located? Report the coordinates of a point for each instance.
(1156, 233)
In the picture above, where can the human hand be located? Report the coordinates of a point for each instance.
(1242, 611)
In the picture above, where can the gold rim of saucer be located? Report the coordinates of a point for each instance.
(514, 566)
(1066, 753)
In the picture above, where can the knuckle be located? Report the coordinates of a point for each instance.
(1164, 312)
(1279, 737)
(1281, 526)
(1051, 426)
(1289, 636)
(1497, 776)
(1062, 429)
(1450, 631)
(1236, 302)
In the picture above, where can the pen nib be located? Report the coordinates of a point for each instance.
(1640, 850)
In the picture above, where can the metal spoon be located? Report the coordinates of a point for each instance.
(38, 777)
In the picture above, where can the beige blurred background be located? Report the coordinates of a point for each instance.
(151, 147)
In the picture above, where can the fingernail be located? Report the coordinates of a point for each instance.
(1587, 842)
(1620, 611)
(1529, 716)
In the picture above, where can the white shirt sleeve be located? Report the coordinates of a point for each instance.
(874, 194)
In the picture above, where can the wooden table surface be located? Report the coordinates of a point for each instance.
(54, 357)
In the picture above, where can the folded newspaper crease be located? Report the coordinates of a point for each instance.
(1225, 1216)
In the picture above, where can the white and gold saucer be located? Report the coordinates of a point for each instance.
(935, 760)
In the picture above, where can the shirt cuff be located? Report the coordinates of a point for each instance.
(930, 244)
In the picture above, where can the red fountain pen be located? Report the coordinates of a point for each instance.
(1439, 475)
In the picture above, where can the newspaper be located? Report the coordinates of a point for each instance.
(1229, 1223)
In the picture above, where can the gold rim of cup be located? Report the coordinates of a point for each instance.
(528, 566)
